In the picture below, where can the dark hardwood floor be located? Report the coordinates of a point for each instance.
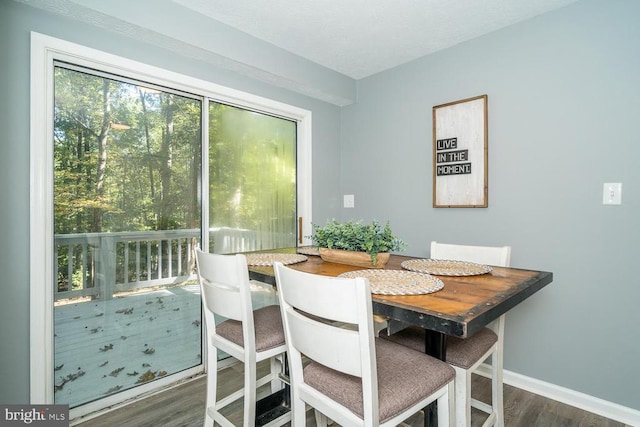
(183, 406)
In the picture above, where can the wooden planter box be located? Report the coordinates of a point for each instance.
(359, 259)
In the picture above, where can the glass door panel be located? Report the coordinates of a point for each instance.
(252, 180)
(252, 186)
(127, 162)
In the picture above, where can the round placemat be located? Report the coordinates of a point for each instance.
(445, 267)
(267, 259)
(397, 282)
(308, 250)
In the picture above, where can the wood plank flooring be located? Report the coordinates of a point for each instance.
(183, 406)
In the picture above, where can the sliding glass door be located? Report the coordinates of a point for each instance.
(127, 218)
(133, 167)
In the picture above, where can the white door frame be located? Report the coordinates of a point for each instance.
(44, 51)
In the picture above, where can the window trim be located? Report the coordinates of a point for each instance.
(44, 51)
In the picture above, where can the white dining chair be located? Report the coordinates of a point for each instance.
(466, 355)
(251, 336)
(350, 376)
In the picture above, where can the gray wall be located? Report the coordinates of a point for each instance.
(563, 101)
(564, 106)
(16, 21)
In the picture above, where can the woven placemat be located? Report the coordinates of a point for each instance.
(397, 282)
(445, 267)
(267, 259)
(308, 250)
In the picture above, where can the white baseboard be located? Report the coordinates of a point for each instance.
(583, 401)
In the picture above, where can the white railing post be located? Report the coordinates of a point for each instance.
(106, 268)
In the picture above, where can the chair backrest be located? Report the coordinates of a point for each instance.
(329, 320)
(499, 256)
(225, 290)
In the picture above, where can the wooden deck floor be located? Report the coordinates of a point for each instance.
(104, 347)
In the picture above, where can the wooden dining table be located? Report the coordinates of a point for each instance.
(462, 307)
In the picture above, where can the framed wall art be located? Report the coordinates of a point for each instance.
(460, 154)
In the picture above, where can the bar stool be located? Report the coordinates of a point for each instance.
(352, 377)
(466, 355)
(251, 336)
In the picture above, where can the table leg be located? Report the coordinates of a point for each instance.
(276, 404)
(435, 344)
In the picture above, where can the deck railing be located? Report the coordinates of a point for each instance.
(97, 265)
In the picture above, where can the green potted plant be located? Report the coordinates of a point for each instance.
(355, 243)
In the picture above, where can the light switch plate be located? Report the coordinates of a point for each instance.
(612, 193)
(348, 201)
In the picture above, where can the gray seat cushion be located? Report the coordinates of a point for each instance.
(405, 377)
(460, 352)
(268, 325)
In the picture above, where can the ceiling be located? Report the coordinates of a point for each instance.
(356, 38)
(359, 38)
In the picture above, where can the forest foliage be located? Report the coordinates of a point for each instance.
(128, 158)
